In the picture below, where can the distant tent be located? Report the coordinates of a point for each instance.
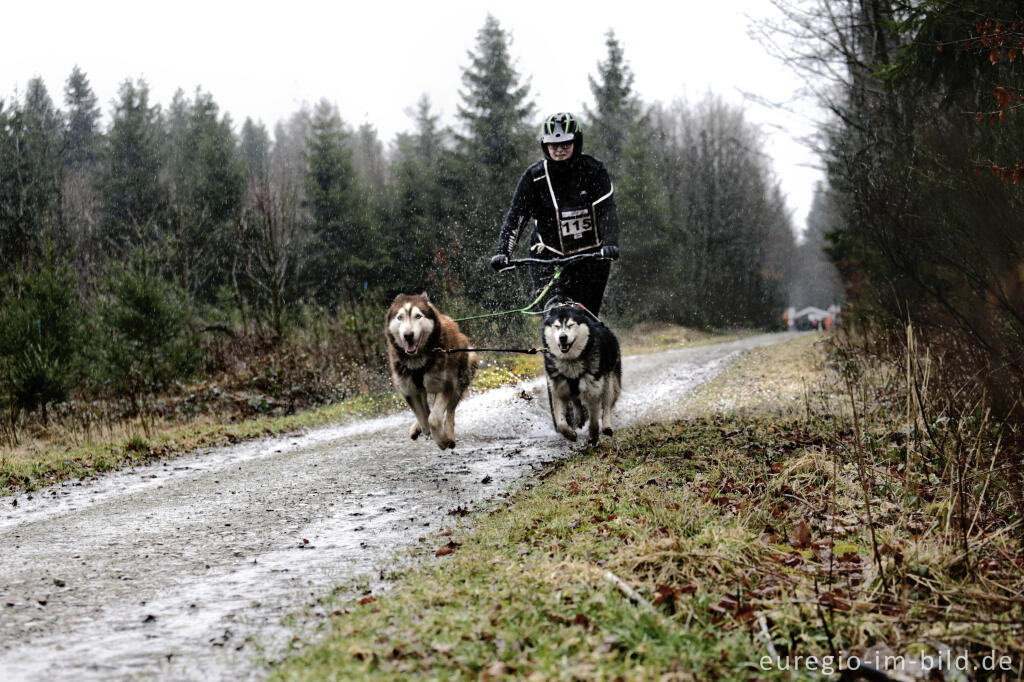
(812, 318)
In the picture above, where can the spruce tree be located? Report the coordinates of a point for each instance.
(82, 149)
(146, 344)
(31, 172)
(495, 141)
(416, 209)
(495, 108)
(339, 247)
(206, 184)
(131, 196)
(41, 338)
(254, 147)
(82, 134)
(616, 107)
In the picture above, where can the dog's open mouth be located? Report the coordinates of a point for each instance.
(410, 346)
(564, 346)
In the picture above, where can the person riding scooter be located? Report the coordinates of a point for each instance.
(569, 196)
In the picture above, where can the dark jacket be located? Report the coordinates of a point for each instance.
(573, 206)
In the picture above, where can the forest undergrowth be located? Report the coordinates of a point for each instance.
(814, 509)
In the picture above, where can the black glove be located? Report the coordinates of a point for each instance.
(499, 261)
(608, 252)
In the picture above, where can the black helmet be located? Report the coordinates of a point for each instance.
(561, 127)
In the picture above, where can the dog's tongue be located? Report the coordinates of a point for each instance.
(410, 348)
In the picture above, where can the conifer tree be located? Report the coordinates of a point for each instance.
(494, 143)
(31, 172)
(254, 146)
(368, 159)
(82, 135)
(131, 197)
(340, 248)
(495, 108)
(418, 208)
(41, 338)
(616, 108)
(206, 185)
(144, 326)
(82, 149)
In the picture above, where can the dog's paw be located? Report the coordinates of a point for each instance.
(445, 442)
(415, 430)
(608, 431)
(568, 433)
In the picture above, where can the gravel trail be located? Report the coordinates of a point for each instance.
(184, 570)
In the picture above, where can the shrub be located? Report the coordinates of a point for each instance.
(40, 339)
(146, 341)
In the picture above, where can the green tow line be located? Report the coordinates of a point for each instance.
(525, 310)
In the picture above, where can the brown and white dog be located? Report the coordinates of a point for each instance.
(431, 380)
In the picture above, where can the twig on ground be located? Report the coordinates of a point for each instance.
(765, 637)
(628, 591)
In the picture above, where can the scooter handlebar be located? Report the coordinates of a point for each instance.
(563, 260)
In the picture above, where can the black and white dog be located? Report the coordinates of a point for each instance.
(584, 367)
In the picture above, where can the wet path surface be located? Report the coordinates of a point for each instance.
(185, 569)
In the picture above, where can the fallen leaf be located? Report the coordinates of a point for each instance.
(801, 535)
(831, 600)
(666, 593)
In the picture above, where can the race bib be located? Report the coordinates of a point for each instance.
(575, 224)
(577, 230)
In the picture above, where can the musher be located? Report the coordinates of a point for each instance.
(569, 195)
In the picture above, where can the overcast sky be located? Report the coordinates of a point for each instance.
(265, 60)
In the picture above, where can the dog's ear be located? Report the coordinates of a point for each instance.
(425, 297)
(397, 297)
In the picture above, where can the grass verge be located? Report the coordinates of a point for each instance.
(732, 543)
